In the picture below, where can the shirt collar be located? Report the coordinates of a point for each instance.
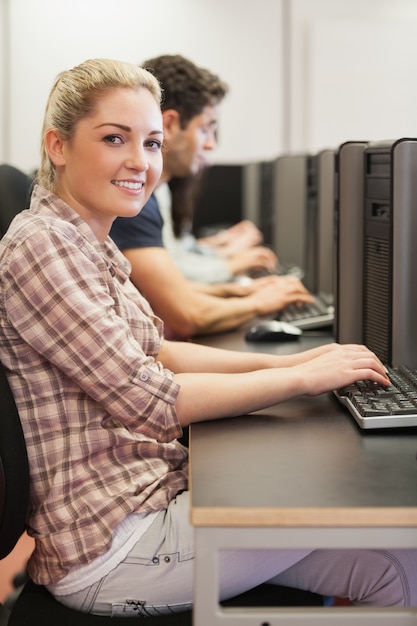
(45, 202)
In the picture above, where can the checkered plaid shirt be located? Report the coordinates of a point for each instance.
(97, 408)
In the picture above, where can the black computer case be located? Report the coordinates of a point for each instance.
(390, 251)
(326, 178)
(348, 241)
(289, 206)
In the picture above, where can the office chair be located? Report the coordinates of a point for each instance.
(15, 190)
(34, 605)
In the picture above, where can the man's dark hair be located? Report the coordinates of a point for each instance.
(185, 87)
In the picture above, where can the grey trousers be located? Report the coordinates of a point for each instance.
(157, 575)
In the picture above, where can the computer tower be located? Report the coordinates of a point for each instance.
(303, 225)
(251, 185)
(390, 252)
(289, 206)
(311, 226)
(325, 221)
(348, 224)
(263, 205)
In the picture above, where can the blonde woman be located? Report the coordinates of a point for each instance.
(103, 397)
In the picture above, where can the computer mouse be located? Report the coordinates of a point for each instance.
(273, 330)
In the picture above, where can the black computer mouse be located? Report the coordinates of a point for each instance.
(273, 330)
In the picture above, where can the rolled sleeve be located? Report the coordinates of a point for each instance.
(74, 314)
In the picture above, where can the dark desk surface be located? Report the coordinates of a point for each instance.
(302, 462)
(235, 340)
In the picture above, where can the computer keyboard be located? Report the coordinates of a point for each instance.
(375, 406)
(310, 315)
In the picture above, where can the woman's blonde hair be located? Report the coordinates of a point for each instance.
(74, 96)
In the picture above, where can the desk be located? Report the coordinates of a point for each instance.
(319, 482)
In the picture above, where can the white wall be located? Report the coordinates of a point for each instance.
(303, 74)
(237, 40)
(352, 67)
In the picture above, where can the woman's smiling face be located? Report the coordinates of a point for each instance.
(113, 161)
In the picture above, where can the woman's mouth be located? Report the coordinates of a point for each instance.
(134, 186)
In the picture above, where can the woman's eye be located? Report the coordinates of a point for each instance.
(113, 139)
(154, 144)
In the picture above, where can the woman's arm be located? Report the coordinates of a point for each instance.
(184, 356)
(219, 383)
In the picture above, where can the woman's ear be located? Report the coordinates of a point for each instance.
(54, 146)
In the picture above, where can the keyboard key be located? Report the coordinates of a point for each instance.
(316, 314)
(366, 399)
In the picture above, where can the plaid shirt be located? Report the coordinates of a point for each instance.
(97, 409)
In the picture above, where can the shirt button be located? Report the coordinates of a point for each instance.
(155, 559)
(143, 377)
(167, 559)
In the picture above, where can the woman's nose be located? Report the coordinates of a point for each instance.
(137, 159)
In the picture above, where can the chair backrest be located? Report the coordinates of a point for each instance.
(15, 191)
(14, 470)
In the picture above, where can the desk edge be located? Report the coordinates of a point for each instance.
(304, 517)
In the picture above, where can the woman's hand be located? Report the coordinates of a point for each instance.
(340, 365)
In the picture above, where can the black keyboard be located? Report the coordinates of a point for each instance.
(316, 314)
(375, 406)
